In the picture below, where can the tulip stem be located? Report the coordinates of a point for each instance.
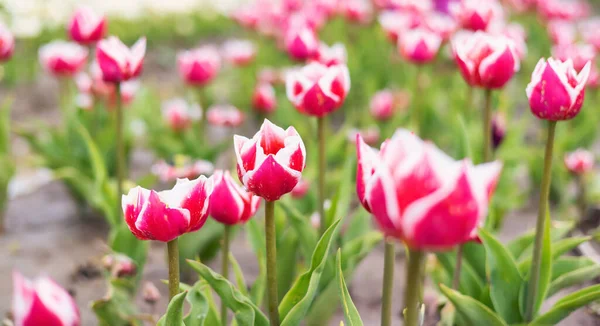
(225, 268)
(322, 167)
(120, 146)
(534, 273)
(457, 267)
(203, 117)
(413, 287)
(388, 283)
(271, 263)
(173, 253)
(487, 126)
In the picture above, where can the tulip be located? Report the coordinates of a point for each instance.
(225, 116)
(301, 189)
(182, 169)
(369, 135)
(382, 105)
(179, 114)
(476, 15)
(579, 53)
(498, 130)
(419, 45)
(358, 11)
(42, 302)
(442, 25)
(270, 76)
(579, 161)
(561, 9)
(589, 32)
(62, 58)
(7, 43)
(199, 66)
(247, 16)
(301, 42)
(594, 78)
(150, 293)
(331, 56)
(119, 63)
(263, 99)
(239, 52)
(86, 27)
(119, 265)
(413, 6)
(561, 31)
(517, 34)
(395, 22)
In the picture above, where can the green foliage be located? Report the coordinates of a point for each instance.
(116, 308)
(350, 311)
(174, 315)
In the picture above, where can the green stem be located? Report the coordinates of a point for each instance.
(173, 253)
(322, 168)
(487, 126)
(388, 284)
(534, 273)
(120, 146)
(413, 286)
(457, 267)
(225, 268)
(271, 263)
(416, 107)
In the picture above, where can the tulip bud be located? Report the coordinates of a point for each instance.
(179, 114)
(382, 105)
(301, 189)
(199, 66)
(270, 164)
(318, 90)
(229, 203)
(263, 99)
(556, 91)
(301, 42)
(498, 130)
(580, 161)
(86, 26)
(42, 302)
(331, 56)
(225, 116)
(7, 43)
(165, 215)
(561, 31)
(476, 15)
(62, 58)
(239, 52)
(183, 168)
(419, 45)
(579, 53)
(117, 62)
(150, 293)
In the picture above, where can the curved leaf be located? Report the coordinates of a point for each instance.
(567, 264)
(239, 275)
(174, 314)
(470, 283)
(558, 249)
(199, 306)
(565, 306)
(472, 310)
(350, 312)
(575, 277)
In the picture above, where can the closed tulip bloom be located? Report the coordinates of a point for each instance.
(561, 31)
(263, 99)
(119, 63)
(199, 66)
(556, 91)
(180, 114)
(86, 26)
(580, 161)
(301, 42)
(382, 105)
(165, 215)
(150, 293)
(229, 203)
(224, 116)
(418, 194)
(318, 90)
(485, 60)
(579, 53)
(419, 45)
(477, 15)
(42, 302)
(7, 43)
(62, 58)
(331, 55)
(271, 163)
(239, 52)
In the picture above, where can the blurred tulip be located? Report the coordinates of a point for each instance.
(119, 265)
(331, 55)
(301, 42)
(412, 6)
(477, 15)
(86, 26)
(395, 22)
(247, 16)
(318, 90)
(382, 105)
(442, 25)
(270, 164)
(62, 58)
(516, 33)
(184, 169)
(165, 215)
(556, 91)
(579, 53)
(589, 32)
(562, 9)
(263, 99)
(230, 204)
(594, 78)
(150, 293)
(520, 6)
(270, 76)
(420, 195)
(199, 66)
(224, 116)
(357, 11)
(239, 52)
(485, 60)
(419, 45)
(301, 189)
(498, 130)
(561, 31)
(42, 302)
(7, 43)
(117, 62)
(369, 135)
(580, 161)
(180, 114)
(292, 5)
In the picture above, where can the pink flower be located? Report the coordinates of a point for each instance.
(317, 89)
(561, 31)
(117, 62)
(485, 60)
(476, 15)
(199, 66)
(7, 43)
(86, 26)
(229, 203)
(62, 58)
(556, 91)
(270, 76)
(562, 9)
(358, 11)
(413, 6)
(396, 22)
(382, 105)
(579, 161)
(165, 215)
(301, 42)
(594, 78)
(498, 130)
(119, 265)
(247, 16)
(301, 189)
(418, 194)
(331, 55)
(183, 168)
(516, 33)
(239, 52)
(419, 45)
(224, 116)
(369, 135)
(150, 293)
(579, 53)
(263, 99)
(589, 32)
(440, 24)
(180, 114)
(271, 163)
(42, 302)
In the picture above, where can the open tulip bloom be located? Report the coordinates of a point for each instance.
(119, 63)
(62, 58)
(86, 26)
(419, 45)
(579, 161)
(199, 66)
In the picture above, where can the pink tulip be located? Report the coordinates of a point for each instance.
(419, 45)
(318, 90)
(396, 22)
(331, 55)
(119, 265)
(556, 91)
(442, 25)
(182, 170)
(382, 105)
(477, 15)
(579, 53)
(42, 302)
(485, 60)
(150, 293)
(270, 76)
(239, 52)
(86, 26)
(412, 6)
(247, 16)
(561, 31)
(594, 78)
(521, 6)
(92, 86)
(179, 114)
(165, 215)
(7, 43)
(418, 194)
(292, 5)
(199, 66)
(301, 42)
(562, 9)
(369, 135)
(498, 130)
(516, 33)
(62, 58)
(589, 32)
(357, 11)
(579, 161)
(301, 189)
(263, 99)
(117, 62)
(271, 163)
(225, 116)
(229, 203)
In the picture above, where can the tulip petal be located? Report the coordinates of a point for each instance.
(382, 200)
(366, 160)
(226, 201)
(156, 221)
(271, 180)
(194, 197)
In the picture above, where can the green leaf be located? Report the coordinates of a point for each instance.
(307, 235)
(518, 246)
(350, 312)
(567, 264)
(470, 283)
(472, 310)
(523, 246)
(565, 306)
(287, 250)
(505, 279)
(296, 302)
(474, 254)
(575, 277)
(545, 266)
(558, 249)
(116, 308)
(239, 275)
(199, 306)
(174, 314)
(246, 313)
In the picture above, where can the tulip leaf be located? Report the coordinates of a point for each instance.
(566, 305)
(545, 266)
(470, 283)
(174, 314)
(558, 249)
(116, 308)
(474, 254)
(200, 308)
(296, 302)
(567, 264)
(471, 310)
(306, 233)
(523, 246)
(350, 312)
(240, 281)
(505, 279)
(518, 246)
(245, 312)
(575, 277)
